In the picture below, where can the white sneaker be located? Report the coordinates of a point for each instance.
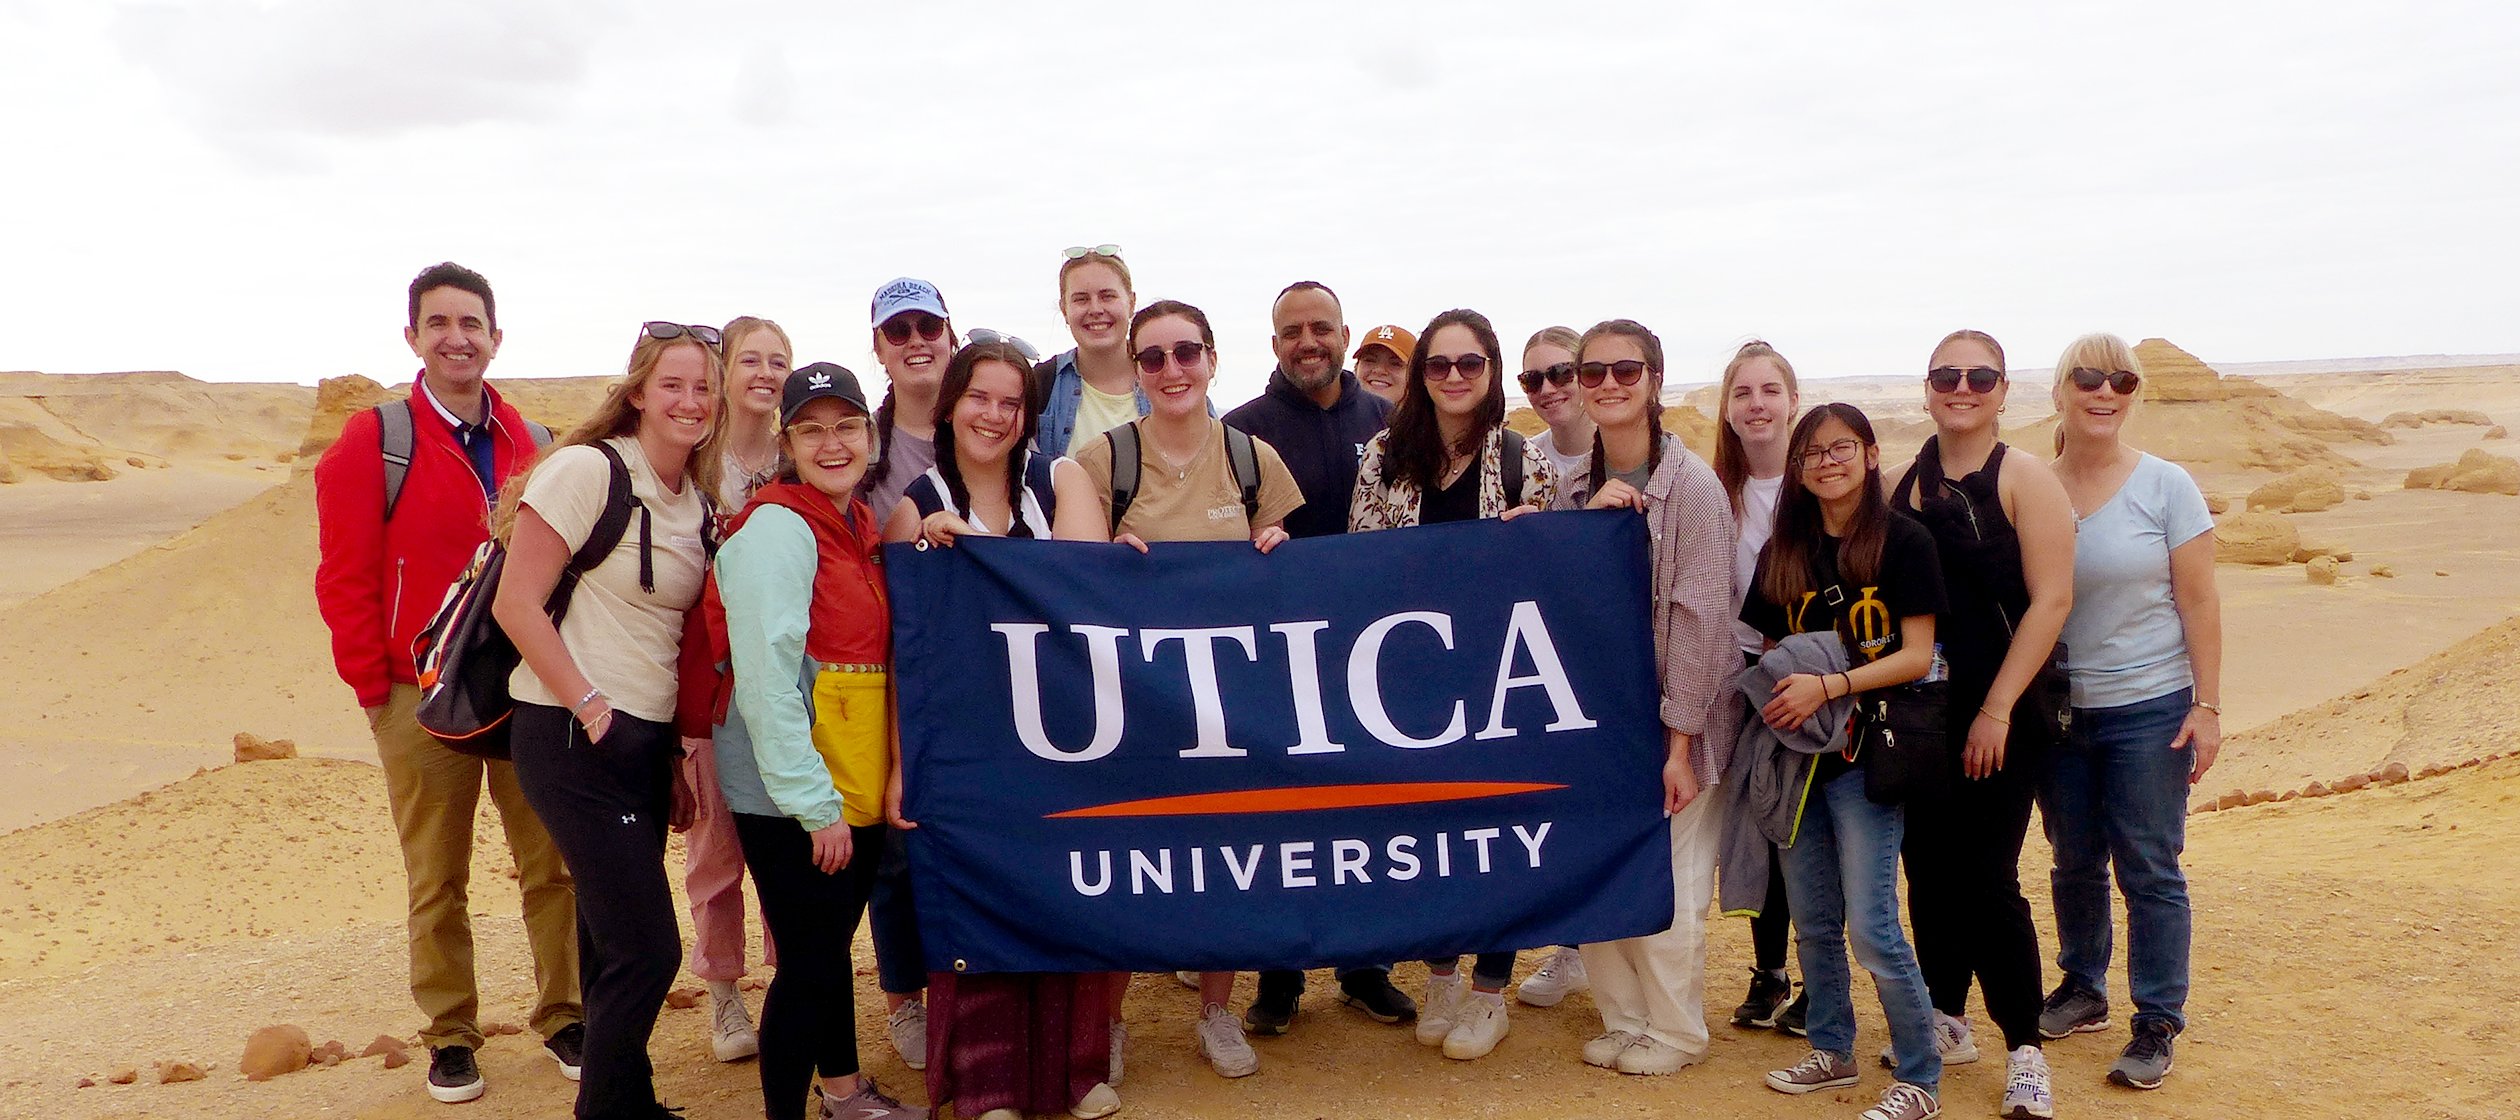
(1440, 1008)
(1188, 980)
(731, 1034)
(1903, 1101)
(1098, 1102)
(1951, 1038)
(1481, 1026)
(1558, 977)
(1119, 1047)
(908, 1026)
(2027, 1095)
(1221, 1042)
(1604, 1051)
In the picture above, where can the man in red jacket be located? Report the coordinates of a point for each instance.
(380, 578)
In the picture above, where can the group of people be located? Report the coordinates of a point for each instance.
(724, 667)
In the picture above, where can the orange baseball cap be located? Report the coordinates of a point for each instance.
(1394, 338)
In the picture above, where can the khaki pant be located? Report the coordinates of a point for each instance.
(1656, 985)
(434, 791)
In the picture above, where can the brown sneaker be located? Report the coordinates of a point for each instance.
(1818, 1070)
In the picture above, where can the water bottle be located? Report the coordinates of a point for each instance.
(1941, 669)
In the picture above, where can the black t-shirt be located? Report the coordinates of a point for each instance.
(1457, 502)
(1908, 584)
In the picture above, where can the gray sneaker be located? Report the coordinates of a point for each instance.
(1903, 1101)
(2147, 1058)
(2072, 1009)
(908, 1026)
(870, 1103)
(1818, 1070)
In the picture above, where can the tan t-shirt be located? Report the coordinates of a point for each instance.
(1098, 412)
(625, 639)
(1199, 504)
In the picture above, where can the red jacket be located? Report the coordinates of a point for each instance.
(376, 583)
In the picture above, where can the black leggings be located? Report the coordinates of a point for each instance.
(1768, 929)
(1963, 858)
(605, 805)
(809, 1018)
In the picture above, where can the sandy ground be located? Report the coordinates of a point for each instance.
(147, 619)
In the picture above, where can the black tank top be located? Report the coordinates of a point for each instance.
(1981, 563)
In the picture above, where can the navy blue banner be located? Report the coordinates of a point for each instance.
(1378, 747)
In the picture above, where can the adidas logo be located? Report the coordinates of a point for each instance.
(819, 380)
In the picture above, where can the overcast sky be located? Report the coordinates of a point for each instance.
(241, 190)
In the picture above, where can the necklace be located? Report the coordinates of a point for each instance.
(1180, 468)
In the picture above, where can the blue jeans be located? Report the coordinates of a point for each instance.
(1842, 880)
(2117, 797)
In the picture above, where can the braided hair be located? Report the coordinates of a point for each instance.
(1599, 471)
(958, 376)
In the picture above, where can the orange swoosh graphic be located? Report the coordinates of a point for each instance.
(1298, 798)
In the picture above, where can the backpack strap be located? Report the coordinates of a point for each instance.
(393, 441)
(1037, 479)
(1125, 470)
(609, 528)
(1512, 468)
(542, 435)
(923, 496)
(1244, 459)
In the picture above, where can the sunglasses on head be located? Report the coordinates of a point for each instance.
(1468, 365)
(1184, 354)
(897, 329)
(1076, 252)
(667, 332)
(1947, 379)
(1558, 374)
(2090, 380)
(1627, 372)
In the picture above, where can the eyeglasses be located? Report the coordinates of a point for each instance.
(1078, 252)
(1558, 374)
(853, 429)
(1946, 379)
(2090, 380)
(1184, 354)
(667, 332)
(1591, 373)
(1468, 366)
(897, 329)
(1842, 451)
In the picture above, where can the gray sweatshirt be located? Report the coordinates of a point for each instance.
(1771, 769)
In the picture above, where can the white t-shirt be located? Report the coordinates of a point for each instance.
(2124, 643)
(1758, 523)
(1564, 466)
(624, 638)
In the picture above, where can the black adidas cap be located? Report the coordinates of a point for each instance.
(821, 379)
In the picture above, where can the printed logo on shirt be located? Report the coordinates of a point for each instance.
(1225, 513)
(1868, 621)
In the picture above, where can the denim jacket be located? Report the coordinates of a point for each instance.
(1058, 410)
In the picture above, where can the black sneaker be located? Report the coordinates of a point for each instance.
(2072, 1009)
(2147, 1058)
(1769, 993)
(568, 1047)
(1270, 1013)
(1371, 992)
(453, 1077)
(1791, 1020)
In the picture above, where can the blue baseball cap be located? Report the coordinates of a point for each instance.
(906, 294)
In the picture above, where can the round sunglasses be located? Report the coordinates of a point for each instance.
(1627, 372)
(897, 329)
(2090, 380)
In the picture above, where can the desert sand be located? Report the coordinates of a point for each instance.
(160, 904)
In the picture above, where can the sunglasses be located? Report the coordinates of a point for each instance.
(2090, 380)
(897, 329)
(1078, 252)
(1842, 451)
(1627, 372)
(1947, 379)
(852, 429)
(1558, 374)
(1184, 354)
(1468, 365)
(667, 332)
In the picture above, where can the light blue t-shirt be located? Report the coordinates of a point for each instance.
(2123, 643)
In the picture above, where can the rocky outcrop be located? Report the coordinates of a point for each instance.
(2476, 472)
(2255, 538)
(2307, 490)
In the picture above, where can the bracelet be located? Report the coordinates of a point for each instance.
(2214, 708)
(1993, 716)
(592, 694)
(1849, 678)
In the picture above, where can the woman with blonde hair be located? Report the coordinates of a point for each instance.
(2146, 636)
(593, 731)
(1548, 385)
(758, 355)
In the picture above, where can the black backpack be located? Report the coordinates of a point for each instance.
(465, 657)
(1240, 456)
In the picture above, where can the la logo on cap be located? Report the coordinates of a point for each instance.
(1384, 334)
(818, 380)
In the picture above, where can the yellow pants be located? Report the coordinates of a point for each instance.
(853, 733)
